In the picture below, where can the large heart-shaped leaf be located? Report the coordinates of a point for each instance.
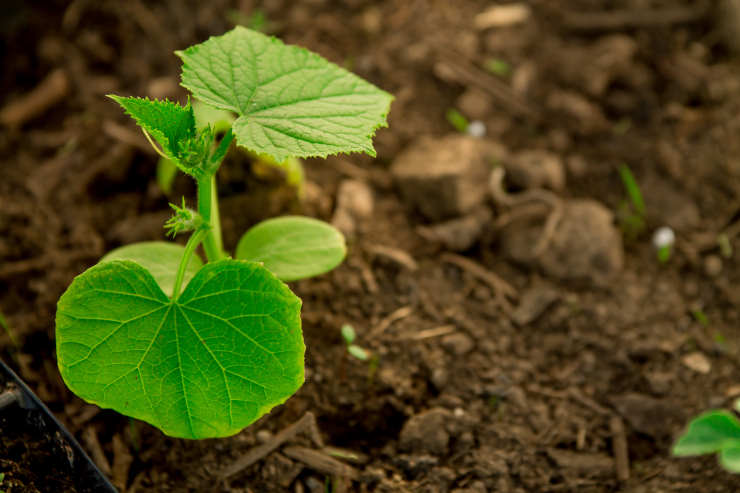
(205, 365)
(293, 247)
(160, 258)
(290, 102)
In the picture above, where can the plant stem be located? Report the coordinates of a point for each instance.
(190, 247)
(208, 210)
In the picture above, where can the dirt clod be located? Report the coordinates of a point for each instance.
(586, 246)
(426, 432)
(447, 177)
(536, 168)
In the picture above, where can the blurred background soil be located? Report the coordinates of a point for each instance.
(523, 327)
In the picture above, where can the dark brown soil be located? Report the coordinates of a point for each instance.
(476, 389)
(31, 458)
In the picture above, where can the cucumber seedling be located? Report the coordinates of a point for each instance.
(203, 349)
(714, 432)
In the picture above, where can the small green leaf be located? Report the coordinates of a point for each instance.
(169, 123)
(729, 457)
(160, 258)
(293, 247)
(707, 433)
(290, 102)
(358, 352)
(206, 365)
(348, 333)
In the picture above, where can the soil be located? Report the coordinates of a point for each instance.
(499, 367)
(32, 459)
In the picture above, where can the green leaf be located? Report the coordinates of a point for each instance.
(170, 124)
(160, 258)
(708, 433)
(348, 333)
(293, 247)
(207, 365)
(729, 457)
(358, 352)
(290, 102)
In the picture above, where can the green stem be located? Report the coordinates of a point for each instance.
(190, 247)
(208, 210)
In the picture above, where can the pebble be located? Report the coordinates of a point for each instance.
(426, 432)
(712, 265)
(458, 344)
(697, 362)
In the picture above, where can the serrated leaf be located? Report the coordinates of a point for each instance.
(160, 258)
(290, 101)
(170, 124)
(293, 247)
(206, 365)
(708, 433)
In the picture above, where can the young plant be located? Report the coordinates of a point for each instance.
(349, 336)
(204, 349)
(631, 212)
(714, 432)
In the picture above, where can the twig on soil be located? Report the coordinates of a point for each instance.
(619, 448)
(383, 325)
(122, 460)
(320, 462)
(500, 287)
(396, 255)
(503, 16)
(307, 424)
(618, 20)
(90, 437)
(429, 333)
(453, 68)
(52, 90)
(502, 198)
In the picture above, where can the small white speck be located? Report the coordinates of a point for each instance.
(458, 412)
(663, 237)
(477, 128)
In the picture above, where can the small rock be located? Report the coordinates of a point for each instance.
(657, 418)
(713, 265)
(475, 104)
(355, 203)
(458, 344)
(586, 246)
(426, 432)
(536, 169)
(660, 383)
(697, 362)
(459, 234)
(577, 463)
(447, 177)
(533, 303)
(264, 436)
(587, 116)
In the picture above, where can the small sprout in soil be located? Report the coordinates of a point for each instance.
(631, 212)
(700, 316)
(497, 66)
(457, 120)
(716, 431)
(203, 349)
(725, 246)
(663, 240)
(349, 336)
(2, 478)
